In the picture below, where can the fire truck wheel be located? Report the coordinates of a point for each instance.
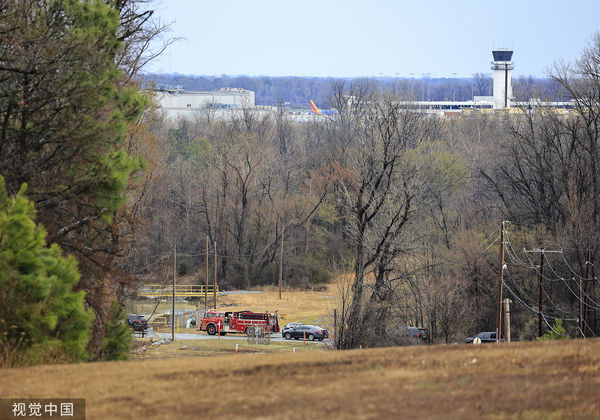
(288, 336)
(311, 337)
(211, 329)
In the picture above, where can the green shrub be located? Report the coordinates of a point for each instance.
(557, 332)
(42, 319)
(118, 338)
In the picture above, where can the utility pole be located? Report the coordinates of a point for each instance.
(335, 337)
(541, 301)
(587, 282)
(173, 308)
(583, 308)
(542, 252)
(206, 284)
(281, 263)
(507, 320)
(215, 283)
(499, 310)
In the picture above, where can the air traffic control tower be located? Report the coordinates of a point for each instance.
(502, 80)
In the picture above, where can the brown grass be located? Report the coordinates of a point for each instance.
(549, 380)
(307, 307)
(215, 347)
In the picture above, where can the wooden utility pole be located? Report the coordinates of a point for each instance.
(215, 283)
(583, 308)
(281, 263)
(206, 285)
(541, 301)
(542, 252)
(173, 308)
(587, 282)
(507, 320)
(501, 280)
(335, 338)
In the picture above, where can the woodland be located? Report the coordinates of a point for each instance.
(99, 189)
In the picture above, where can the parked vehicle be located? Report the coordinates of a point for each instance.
(137, 322)
(485, 337)
(223, 322)
(293, 325)
(421, 334)
(310, 332)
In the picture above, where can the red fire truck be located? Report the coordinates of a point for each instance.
(220, 321)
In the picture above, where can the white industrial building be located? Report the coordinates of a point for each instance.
(175, 102)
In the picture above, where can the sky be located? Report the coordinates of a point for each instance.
(347, 38)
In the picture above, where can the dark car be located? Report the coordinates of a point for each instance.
(485, 337)
(310, 332)
(137, 322)
(421, 334)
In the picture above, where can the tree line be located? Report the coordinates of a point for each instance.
(296, 92)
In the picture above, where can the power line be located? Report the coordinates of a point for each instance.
(577, 294)
(574, 273)
(535, 311)
(515, 285)
(559, 278)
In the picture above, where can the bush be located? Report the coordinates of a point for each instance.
(557, 332)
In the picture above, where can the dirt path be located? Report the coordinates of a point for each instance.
(519, 380)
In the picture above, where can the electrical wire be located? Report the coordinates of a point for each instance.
(534, 267)
(570, 269)
(535, 311)
(589, 328)
(534, 300)
(498, 237)
(577, 294)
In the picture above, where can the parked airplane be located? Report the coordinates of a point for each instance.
(317, 111)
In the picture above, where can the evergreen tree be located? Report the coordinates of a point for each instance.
(41, 318)
(118, 339)
(65, 109)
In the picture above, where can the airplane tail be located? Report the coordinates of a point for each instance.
(314, 108)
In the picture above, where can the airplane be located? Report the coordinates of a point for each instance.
(317, 111)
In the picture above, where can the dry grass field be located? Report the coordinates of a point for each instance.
(216, 347)
(307, 307)
(538, 380)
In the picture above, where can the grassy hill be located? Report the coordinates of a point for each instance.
(518, 380)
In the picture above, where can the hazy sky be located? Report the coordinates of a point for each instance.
(347, 38)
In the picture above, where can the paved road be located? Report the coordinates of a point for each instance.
(203, 336)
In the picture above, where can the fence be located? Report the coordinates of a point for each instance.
(181, 290)
(258, 334)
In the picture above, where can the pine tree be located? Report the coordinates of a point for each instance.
(118, 339)
(65, 111)
(41, 318)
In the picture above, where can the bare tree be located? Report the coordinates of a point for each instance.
(483, 83)
(380, 187)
